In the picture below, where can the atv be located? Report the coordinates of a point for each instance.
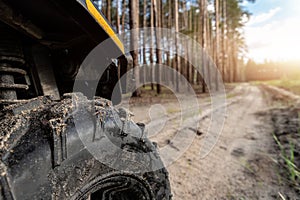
(43, 121)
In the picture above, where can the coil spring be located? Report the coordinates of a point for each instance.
(11, 58)
(7, 86)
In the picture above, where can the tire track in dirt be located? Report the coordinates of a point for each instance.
(240, 166)
(227, 171)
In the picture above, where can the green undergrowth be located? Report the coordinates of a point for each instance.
(287, 162)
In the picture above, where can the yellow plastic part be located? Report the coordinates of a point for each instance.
(99, 18)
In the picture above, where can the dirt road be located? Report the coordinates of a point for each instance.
(242, 164)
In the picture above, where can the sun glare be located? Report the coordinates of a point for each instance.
(276, 39)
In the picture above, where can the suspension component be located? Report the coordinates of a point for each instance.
(11, 57)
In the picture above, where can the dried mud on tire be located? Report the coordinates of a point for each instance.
(43, 157)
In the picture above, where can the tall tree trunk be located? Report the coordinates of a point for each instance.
(151, 44)
(123, 15)
(198, 37)
(157, 17)
(203, 42)
(108, 10)
(177, 57)
(224, 38)
(103, 7)
(144, 40)
(170, 46)
(210, 50)
(190, 26)
(163, 24)
(229, 61)
(234, 62)
(217, 41)
(134, 25)
(118, 17)
(186, 27)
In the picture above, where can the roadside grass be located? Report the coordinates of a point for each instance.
(171, 110)
(288, 155)
(229, 96)
(292, 85)
(247, 166)
(230, 195)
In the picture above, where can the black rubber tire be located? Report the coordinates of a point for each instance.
(43, 156)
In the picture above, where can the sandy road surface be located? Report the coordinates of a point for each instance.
(240, 166)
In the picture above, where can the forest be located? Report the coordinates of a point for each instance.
(216, 25)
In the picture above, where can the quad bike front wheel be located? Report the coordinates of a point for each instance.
(43, 155)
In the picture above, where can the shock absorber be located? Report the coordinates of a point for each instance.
(11, 58)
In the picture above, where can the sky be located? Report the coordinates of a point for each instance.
(273, 31)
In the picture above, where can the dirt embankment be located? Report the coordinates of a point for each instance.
(285, 118)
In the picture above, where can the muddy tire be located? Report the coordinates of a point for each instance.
(44, 155)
